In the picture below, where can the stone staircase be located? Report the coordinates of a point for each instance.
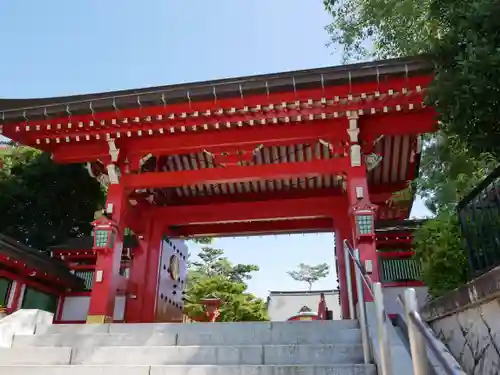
(278, 348)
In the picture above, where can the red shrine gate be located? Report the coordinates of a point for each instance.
(304, 151)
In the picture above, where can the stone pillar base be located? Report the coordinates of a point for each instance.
(99, 319)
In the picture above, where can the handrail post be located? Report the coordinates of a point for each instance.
(348, 276)
(417, 343)
(367, 355)
(383, 335)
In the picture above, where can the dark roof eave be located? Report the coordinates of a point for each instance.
(408, 225)
(14, 109)
(37, 260)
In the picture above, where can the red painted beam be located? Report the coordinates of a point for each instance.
(403, 284)
(54, 288)
(410, 123)
(401, 234)
(384, 246)
(407, 123)
(256, 228)
(395, 254)
(235, 174)
(324, 207)
(378, 195)
(217, 121)
(183, 143)
(342, 91)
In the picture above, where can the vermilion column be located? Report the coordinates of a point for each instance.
(138, 271)
(342, 231)
(150, 287)
(357, 179)
(107, 270)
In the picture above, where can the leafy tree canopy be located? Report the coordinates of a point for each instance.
(213, 263)
(214, 275)
(380, 29)
(44, 203)
(460, 36)
(466, 91)
(462, 39)
(310, 274)
(440, 250)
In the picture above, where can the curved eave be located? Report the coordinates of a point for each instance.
(17, 109)
(38, 261)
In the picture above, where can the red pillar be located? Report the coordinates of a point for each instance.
(144, 272)
(150, 289)
(357, 179)
(138, 270)
(342, 231)
(107, 270)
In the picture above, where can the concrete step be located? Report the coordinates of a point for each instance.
(35, 356)
(331, 325)
(277, 336)
(186, 355)
(191, 370)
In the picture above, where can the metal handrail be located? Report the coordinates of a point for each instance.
(375, 290)
(421, 338)
(366, 279)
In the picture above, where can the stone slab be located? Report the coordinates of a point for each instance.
(271, 337)
(35, 356)
(256, 328)
(223, 338)
(334, 325)
(400, 357)
(72, 329)
(314, 334)
(98, 339)
(220, 355)
(75, 370)
(22, 322)
(190, 370)
(281, 333)
(263, 370)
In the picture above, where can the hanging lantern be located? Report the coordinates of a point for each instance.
(105, 231)
(364, 217)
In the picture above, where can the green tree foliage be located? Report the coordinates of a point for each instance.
(203, 240)
(462, 39)
(43, 203)
(310, 274)
(440, 249)
(214, 275)
(380, 29)
(466, 90)
(460, 36)
(448, 172)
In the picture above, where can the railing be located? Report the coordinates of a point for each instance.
(419, 334)
(421, 338)
(479, 215)
(375, 289)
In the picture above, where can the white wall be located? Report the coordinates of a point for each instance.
(281, 307)
(76, 308)
(392, 306)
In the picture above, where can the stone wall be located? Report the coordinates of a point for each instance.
(467, 320)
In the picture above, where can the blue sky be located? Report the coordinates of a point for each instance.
(61, 47)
